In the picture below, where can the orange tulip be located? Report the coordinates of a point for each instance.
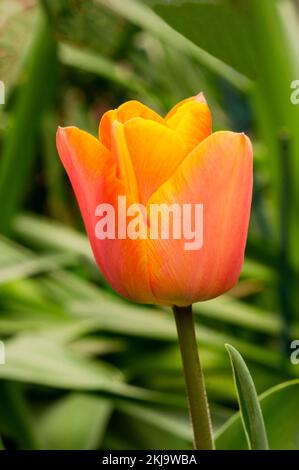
(154, 160)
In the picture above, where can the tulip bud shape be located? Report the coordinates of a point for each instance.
(142, 161)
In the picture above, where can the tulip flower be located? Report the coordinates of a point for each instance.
(150, 160)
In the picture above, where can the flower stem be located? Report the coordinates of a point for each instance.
(195, 386)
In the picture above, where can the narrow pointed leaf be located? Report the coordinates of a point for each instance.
(251, 413)
(281, 413)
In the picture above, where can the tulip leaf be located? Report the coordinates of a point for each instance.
(17, 25)
(237, 313)
(153, 428)
(75, 422)
(37, 359)
(95, 63)
(16, 418)
(144, 17)
(34, 265)
(281, 413)
(43, 232)
(32, 100)
(1, 444)
(91, 304)
(251, 414)
(219, 27)
(175, 424)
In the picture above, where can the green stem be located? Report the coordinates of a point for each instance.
(195, 385)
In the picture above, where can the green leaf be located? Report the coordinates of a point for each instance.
(21, 138)
(145, 18)
(34, 265)
(240, 314)
(250, 409)
(174, 424)
(154, 323)
(75, 422)
(218, 27)
(15, 415)
(45, 233)
(16, 31)
(37, 359)
(56, 190)
(281, 413)
(95, 63)
(152, 428)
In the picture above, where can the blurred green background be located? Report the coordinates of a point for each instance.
(84, 368)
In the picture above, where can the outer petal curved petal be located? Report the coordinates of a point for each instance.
(91, 170)
(192, 119)
(124, 113)
(155, 152)
(217, 174)
(200, 97)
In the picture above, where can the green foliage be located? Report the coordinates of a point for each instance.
(84, 368)
(30, 104)
(280, 410)
(194, 20)
(77, 421)
(250, 410)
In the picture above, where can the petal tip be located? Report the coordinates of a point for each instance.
(60, 134)
(200, 98)
(115, 126)
(62, 131)
(246, 139)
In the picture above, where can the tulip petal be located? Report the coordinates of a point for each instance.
(85, 160)
(124, 113)
(192, 119)
(200, 98)
(155, 152)
(124, 166)
(217, 174)
(91, 170)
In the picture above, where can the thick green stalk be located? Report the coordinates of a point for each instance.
(195, 386)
